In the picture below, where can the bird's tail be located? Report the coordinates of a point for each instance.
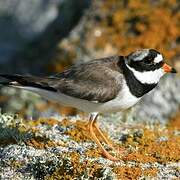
(21, 81)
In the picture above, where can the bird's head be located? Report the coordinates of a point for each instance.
(148, 65)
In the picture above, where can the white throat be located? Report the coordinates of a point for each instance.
(148, 77)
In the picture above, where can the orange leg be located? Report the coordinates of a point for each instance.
(105, 153)
(118, 151)
(102, 135)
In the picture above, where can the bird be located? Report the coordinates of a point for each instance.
(104, 85)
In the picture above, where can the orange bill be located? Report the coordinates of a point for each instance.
(168, 69)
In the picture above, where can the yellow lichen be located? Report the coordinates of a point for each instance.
(150, 172)
(126, 173)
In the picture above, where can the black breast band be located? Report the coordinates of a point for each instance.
(137, 88)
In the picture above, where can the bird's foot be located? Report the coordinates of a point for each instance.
(93, 127)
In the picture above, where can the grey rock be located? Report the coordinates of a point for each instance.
(163, 102)
(23, 22)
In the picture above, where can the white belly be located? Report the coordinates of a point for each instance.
(123, 101)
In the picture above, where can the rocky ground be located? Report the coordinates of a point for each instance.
(61, 148)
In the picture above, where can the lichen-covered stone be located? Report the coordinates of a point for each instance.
(62, 149)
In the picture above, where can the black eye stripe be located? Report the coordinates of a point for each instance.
(144, 60)
(141, 66)
(148, 60)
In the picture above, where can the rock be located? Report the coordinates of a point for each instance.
(21, 21)
(163, 102)
(37, 22)
(62, 149)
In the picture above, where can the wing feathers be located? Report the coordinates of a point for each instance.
(26, 81)
(98, 80)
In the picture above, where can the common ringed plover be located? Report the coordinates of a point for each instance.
(104, 85)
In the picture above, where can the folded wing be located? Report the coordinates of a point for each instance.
(98, 80)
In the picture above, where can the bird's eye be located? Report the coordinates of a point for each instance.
(148, 60)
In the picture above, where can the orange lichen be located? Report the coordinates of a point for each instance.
(126, 173)
(41, 143)
(48, 121)
(139, 157)
(174, 123)
(137, 24)
(148, 147)
(150, 172)
(151, 149)
(80, 131)
(93, 153)
(165, 151)
(77, 135)
(158, 144)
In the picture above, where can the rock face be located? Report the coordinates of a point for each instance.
(163, 102)
(22, 22)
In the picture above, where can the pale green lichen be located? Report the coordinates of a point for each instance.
(12, 129)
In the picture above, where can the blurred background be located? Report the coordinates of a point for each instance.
(42, 37)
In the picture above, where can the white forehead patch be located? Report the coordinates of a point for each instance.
(158, 58)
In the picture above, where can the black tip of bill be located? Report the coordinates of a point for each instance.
(173, 70)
